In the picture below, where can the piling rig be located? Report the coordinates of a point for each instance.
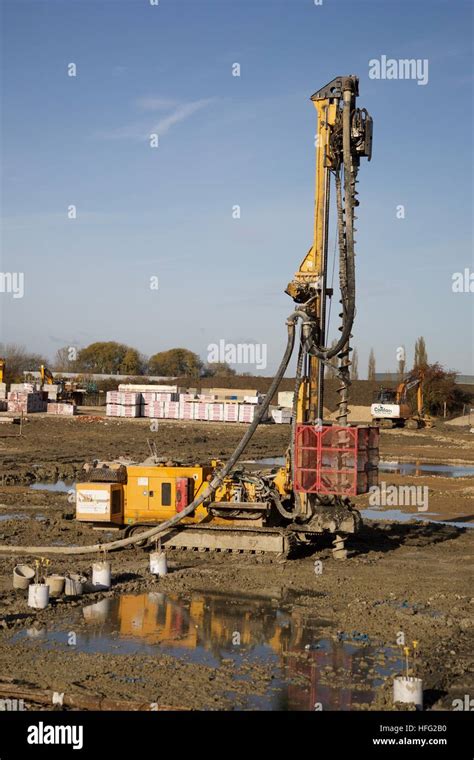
(228, 508)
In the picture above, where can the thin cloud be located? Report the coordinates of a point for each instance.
(142, 131)
(180, 114)
(156, 104)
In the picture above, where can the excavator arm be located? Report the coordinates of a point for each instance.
(46, 375)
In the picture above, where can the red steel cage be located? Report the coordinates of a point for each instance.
(336, 460)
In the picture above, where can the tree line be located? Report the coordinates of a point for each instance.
(111, 358)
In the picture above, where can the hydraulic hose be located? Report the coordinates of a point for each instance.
(299, 372)
(346, 246)
(278, 504)
(210, 489)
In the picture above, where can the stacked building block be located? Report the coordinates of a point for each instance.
(118, 410)
(247, 412)
(3, 391)
(124, 398)
(201, 411)
(61, 409)
(164, 402)
(231, 412)
(215, 412)
(26, 402)
(155, 410)
(148, 397)
(285, 398)
(187, 410)
(171, 410)
(281, 416)
(123, 404)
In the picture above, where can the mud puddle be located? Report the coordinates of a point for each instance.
(303, 668)
(399, 516)
(395, 467)
(20, 516)
(60, 486)
(417, 468)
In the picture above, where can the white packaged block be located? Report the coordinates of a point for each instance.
(120, 410)
(247, 412)
(281, 416)
(125, 398)
(215, 412)
(171, 410)
(201, 411)
(231, 412)
(187, 410)
(155, 410)
(285, 398)
(148, 387)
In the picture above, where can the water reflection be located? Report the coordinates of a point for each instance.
(308, 668)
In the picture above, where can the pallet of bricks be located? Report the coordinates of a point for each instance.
(160, 404)
(166, 402)
(26, 401)
(123, 404)
(214, 407)
(59, 408)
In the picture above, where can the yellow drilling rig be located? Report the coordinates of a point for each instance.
(229, 508)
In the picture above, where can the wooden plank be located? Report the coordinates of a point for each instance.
(31, 693)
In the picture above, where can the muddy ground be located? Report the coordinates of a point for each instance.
(414, 578)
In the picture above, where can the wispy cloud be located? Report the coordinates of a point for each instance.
(180, 114)
(156, 104)
(141, 130)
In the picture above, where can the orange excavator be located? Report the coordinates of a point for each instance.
(391, 407)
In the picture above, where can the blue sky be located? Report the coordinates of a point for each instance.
(225, 140)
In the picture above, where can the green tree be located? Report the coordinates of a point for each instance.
(421, 356)
(109, 358)
(439, 386)
(218, 369)
(175, 362)
(371, 367)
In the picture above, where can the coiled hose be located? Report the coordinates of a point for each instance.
(346, 248)
(211, 488)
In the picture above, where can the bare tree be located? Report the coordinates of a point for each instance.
(18, 360)
(401, 368)
(334, 362)
(421, 356)
(65, 359)
(371, 368)
(355, 365)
